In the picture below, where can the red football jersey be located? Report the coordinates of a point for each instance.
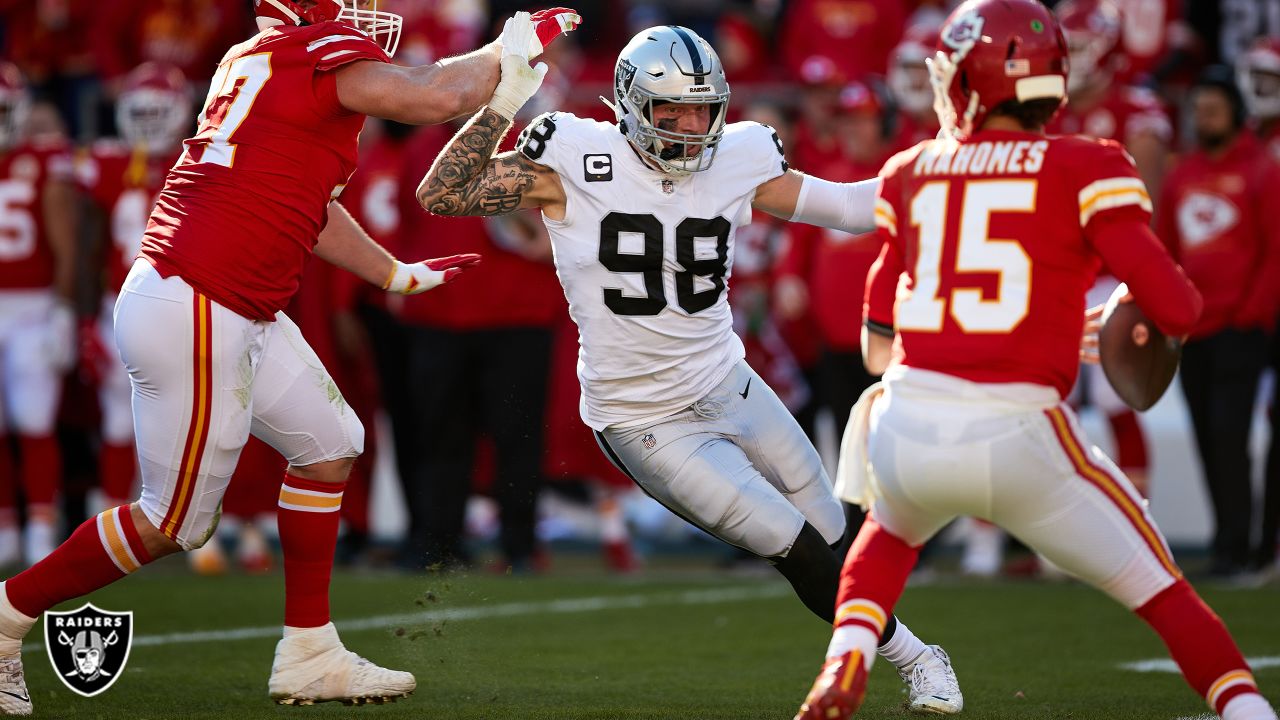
(242, 209)
(26, 260)
(1123, 113)
(996, 236)
(123, 183)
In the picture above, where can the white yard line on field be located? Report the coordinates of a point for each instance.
(1167, 666)
(481, 612)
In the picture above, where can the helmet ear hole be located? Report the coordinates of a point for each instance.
(1012, 49)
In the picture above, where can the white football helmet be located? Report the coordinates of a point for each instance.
(669, 64)
(1258, 75)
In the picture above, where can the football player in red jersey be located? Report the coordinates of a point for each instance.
(998, 229)
(199, 325)
(121, 178)
(37, 324)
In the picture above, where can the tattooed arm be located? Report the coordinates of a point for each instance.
(467, 179)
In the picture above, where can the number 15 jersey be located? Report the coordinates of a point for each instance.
(999, 237)
(241, 210)
(644, 258)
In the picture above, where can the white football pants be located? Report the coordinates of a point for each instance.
(735, 464)
(1012, 454)
(203, 379)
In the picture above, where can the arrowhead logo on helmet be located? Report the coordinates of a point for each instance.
(993, 51)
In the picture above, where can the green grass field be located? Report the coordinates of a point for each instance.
(684, 642)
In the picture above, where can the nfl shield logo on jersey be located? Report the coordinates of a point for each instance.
(650, 442)
(668, 186)
(88, 647)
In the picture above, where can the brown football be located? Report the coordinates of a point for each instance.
(1138, 360)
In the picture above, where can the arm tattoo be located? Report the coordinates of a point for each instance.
(467, 180)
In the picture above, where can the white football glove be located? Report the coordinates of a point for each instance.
(414, 278)
(519, 81)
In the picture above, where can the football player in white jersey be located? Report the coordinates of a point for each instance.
(642, 216)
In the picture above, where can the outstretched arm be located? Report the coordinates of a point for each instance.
(345, 244)
(424, 95)
(466, 178)
(804, 198)
(455, 86)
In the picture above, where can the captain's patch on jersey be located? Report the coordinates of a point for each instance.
(88, 647)
(597, 168)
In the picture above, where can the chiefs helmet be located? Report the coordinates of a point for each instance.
(154, 108)
(1093, 29)
(14, 104)
(908, 76)
(364, 15)
(1258, 75)
(991, 51)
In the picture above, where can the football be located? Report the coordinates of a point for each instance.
(1138, 360)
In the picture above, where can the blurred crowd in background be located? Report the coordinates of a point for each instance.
(476, 381)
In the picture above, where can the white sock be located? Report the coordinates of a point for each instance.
(1250, 706)
(854, 637)
(903, 648)
(13, 625)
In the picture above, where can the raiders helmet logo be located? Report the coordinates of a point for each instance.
(88, 647)
(623, 75)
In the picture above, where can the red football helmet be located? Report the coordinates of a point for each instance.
(990, 51)
(154, 107)
(364, 15)
(1093, 29)
(908, 76)
(1258, 74)
(14, 104)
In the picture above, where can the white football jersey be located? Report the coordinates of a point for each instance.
(644, 258)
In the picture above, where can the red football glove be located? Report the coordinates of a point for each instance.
(838, 692)
(94, 355)
(413, 278)
(554, 22)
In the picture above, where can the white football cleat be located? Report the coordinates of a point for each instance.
(932, 683)
(312, 666)
(14, 698)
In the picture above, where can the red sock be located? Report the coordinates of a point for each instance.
(118, 470)
(1200, 644)
(308, 521)
(875, 570)
(41, 468)
(1131, 444)
(102, 550)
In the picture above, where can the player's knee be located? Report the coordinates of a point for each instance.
(156, 542)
